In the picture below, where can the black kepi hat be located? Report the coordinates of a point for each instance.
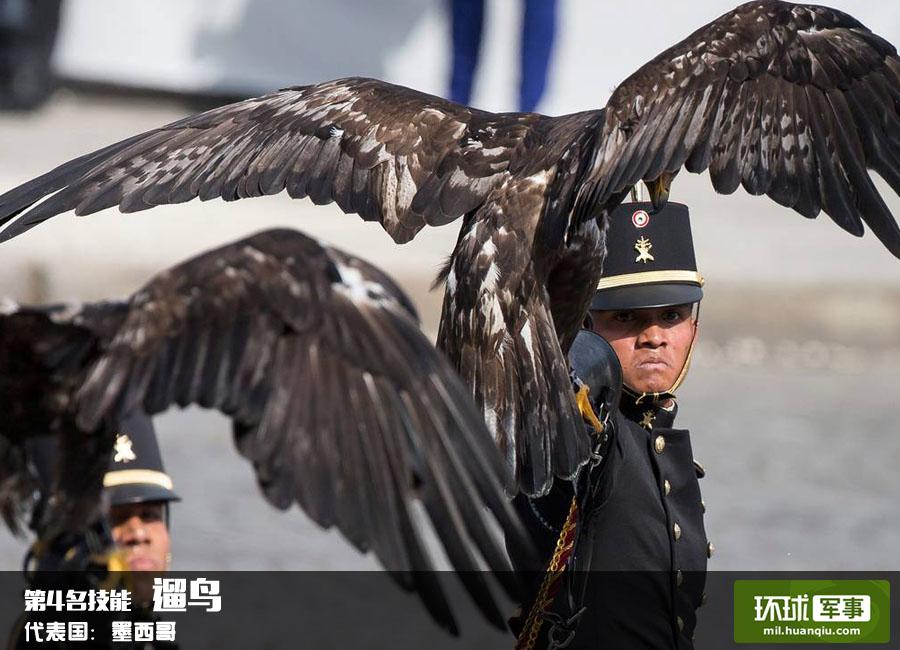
(136, 471)
(649, 259)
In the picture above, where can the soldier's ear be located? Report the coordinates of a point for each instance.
(588, 322)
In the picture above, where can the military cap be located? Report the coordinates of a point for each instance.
(649, 259)
(136, 472)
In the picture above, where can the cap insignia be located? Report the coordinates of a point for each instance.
(643, 246)
(640, 218)
(124, 451)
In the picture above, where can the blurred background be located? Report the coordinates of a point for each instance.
(791, 397)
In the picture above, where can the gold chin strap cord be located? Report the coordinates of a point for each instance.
(670, 393)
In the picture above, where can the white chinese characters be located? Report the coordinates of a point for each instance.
(74, 600)
(843, 609)
(836, 608)
(176, 594)
(129, 631)
(39, 632)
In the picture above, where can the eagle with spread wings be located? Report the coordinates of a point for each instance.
(797, 102)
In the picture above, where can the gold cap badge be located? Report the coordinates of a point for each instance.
(124, 451)
(643, 246)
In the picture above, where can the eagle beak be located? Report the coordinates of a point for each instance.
(659, 189)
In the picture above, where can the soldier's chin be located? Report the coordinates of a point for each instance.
(650, 382)
(143, 564)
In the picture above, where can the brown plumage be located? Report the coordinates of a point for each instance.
(793, 101)
(337, 398)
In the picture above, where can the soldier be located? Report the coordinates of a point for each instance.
(636, 570)
(139, 493)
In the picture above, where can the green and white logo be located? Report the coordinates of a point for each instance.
(812, 611)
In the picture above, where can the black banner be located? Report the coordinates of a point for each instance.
(353, 610)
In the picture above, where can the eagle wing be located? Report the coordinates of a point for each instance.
(794, 101)
(499, 332)
(388, 153)
(337, 398)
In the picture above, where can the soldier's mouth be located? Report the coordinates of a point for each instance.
(142, 563)
(653, 362)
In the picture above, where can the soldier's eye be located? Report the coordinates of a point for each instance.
(624, 316)
(151, 514)
(672, 316)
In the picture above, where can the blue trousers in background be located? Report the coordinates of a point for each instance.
(538, 31)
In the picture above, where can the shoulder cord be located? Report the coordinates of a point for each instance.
(551, 582)
(564, 544)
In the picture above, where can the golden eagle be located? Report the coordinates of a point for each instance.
(337, 398)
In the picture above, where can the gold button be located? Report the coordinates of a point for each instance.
(702, 506)
(680, 624)
(703, 599)
(659, 444)
(667, 487)
(710, 549)
(679, 578)
(676, 531)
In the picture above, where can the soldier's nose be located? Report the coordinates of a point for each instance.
(133, 531)
(652, 336)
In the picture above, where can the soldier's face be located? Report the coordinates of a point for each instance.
(140, 530)
(652, 344)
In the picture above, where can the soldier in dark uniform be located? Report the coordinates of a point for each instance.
(636, 571)
(137, 489)
(139, 493)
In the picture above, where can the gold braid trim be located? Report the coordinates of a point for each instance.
(564, 543)
(550, 583)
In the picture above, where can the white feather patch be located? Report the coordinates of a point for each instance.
(490, 419)
(490, 279)
(355, 286)
(407, 189)
(489, 248)
(539, 178)
(492, 312)
(529, 345)
(451, 282)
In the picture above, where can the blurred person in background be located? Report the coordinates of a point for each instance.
(640, 514)
(538, 33)
(27, 35)
(137, 489)
(139, 493)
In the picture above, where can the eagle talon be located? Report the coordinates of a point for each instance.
(582, 398)
(659, 189)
